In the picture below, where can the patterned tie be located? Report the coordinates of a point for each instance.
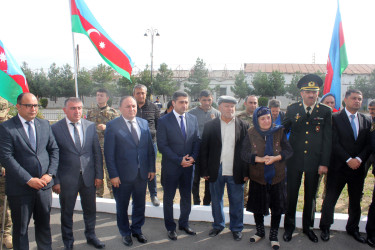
(308, 112)
(77, 140)
(353, 126)
(31, 136)
(134, 133)
(182, 125)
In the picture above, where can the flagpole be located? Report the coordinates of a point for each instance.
(74, 51)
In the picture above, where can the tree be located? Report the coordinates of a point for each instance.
(54, 81)
(198, 79)
(241, 89)
(125, 87)
(276, 81)
(144, 78)
(101, 75)
(85, 84)
(366, 85)
(293, 92)
(260, 83)
(40, 84)
(164, 84)
(67, 83)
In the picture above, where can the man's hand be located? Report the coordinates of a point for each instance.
(245, 179)
(46, 178)
(322, 170)
(151, 176)
(98, 182)
(354, 163)
(186, 161)
(116, 182)
(191, 159)
(2, 171)
(101, 127)
(206, 177)
(37, 183)
(272, 159)
(56, 188)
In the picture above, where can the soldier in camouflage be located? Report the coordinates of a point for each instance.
(102, 114)
(251, 104)
(7, 238)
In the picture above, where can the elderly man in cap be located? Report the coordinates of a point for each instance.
(221, 163)
(310, 126)
(6, 219)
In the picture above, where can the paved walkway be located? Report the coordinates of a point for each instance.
(154, 230)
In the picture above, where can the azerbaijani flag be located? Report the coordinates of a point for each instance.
(337, 61)
(84, 22)
(12, 79)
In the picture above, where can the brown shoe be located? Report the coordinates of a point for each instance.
(7, 241)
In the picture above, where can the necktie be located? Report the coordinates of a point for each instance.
(182, 125)
(308, 112)
(77, 140)
(353, 126)
(31, 136)
(134, 133)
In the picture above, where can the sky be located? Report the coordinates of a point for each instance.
(225, 34)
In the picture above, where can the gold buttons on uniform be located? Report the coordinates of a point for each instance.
(307, 132)
(307, 123)
(305, 151)
(306, 142)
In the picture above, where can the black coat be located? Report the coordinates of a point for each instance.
(344, 146)
(210, 151)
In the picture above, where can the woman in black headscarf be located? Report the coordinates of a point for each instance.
(266, 148)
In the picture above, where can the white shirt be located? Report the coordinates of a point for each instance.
(305, 107)
(177, 115)
(135, 124)
(356, 122)
(228, 131)
(26, 127)
(71, 129)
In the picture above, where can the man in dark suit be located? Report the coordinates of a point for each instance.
(221, 163)
(130, 158)
(350, 151)
(30, 155)
(370, 226)
(310, 126)
(178, 141)
(80, 170)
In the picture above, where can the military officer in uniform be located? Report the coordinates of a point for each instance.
(310, 126)
(102, 114)
(7, 237)
(251, 104)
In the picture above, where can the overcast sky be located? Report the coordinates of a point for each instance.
(222, 33)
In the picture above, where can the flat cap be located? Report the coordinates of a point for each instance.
(226, 99)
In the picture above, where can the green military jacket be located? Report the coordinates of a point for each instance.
(310, 137)
(1, 121)
(101, 116)
(244, 116)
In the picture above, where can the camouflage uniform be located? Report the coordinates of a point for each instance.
(249, 119)
(8, 220)
(102, 116)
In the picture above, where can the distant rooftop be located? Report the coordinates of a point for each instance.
(361, 69)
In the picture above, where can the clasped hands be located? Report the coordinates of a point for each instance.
(116, 181)
(187, 161)
(267, 159)
(39, 183)
(354, 163)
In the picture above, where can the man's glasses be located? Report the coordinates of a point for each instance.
(29, 106)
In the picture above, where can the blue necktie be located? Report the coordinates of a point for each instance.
(31, 136)
(77, 139)
(182, 125)
(353, 126)
(134, 133)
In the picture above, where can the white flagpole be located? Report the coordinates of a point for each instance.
(74, 51)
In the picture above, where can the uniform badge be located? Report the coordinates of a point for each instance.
(297, 116)
(317, 129)
(372, 127)
(212, 116)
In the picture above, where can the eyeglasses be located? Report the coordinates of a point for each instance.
(29, 106)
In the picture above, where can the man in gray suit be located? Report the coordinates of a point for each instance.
(80, 170)
(29, 153)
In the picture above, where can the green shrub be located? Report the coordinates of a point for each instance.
(44, 102)
(263, 101)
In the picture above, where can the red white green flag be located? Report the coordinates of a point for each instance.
(85, 23)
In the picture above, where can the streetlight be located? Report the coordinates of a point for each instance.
(152, 32)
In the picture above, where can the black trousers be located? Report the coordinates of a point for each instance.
(195, 189)
(22, 208)
(370, 226)
(336, 181)
(310, 187)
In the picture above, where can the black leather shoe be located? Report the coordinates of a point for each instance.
(237, 236)
(188, 230)
(140, 237)
(172, 235)
(287, 236)
(357, 236)
(213, 232)
(324, 235)
(371, 242)
(96, 243)
(127, 240)
(312, 236)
